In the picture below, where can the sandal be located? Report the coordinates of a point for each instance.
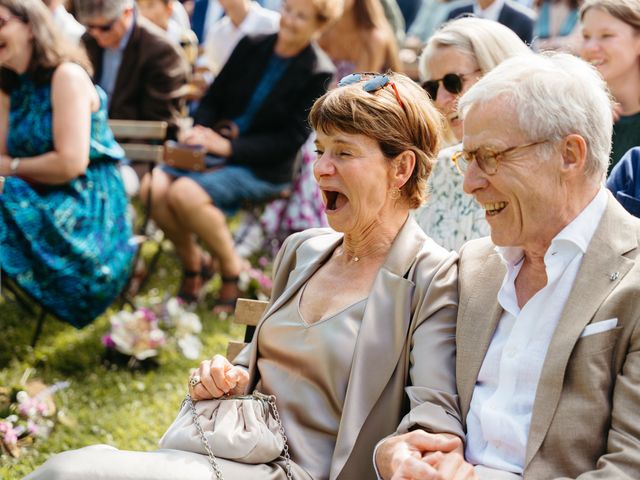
(227, 305)
(207, 271)
(186, 296)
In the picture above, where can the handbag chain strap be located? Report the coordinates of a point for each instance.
(271, 401)
(203, 438)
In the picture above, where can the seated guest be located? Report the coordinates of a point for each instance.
(265, 89)
(64, 231)
(361, 40)
(611, 42)
(548, 370)
(160, 12)
(454, 59)
(143, 73)
(510, 13)
(623, 181)
(557, 26)
(64, 21)
(356, 313)
(243, 17)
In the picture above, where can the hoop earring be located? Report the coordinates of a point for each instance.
(395, 193)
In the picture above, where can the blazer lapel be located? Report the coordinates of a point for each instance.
(603, 267)
(381, 340)
(477, 321)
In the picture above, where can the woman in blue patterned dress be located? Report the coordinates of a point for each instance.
(64, 230)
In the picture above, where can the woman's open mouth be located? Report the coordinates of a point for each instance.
(333, 200)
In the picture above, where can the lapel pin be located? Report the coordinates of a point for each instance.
(614, 276)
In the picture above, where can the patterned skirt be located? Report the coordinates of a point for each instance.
(68, 246)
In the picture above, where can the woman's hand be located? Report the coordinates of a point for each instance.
(212, 141)
(218, 377)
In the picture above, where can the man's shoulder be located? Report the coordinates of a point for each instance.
(518, 10)
(461, 10)
(150, 37)
(477, 248)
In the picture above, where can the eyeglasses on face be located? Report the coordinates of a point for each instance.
(102, 28)
(375, 82)
(7, 19)
(452, 83)
(486, 158)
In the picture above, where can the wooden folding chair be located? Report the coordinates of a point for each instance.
(248, 313)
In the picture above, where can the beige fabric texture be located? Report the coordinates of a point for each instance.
(585, 419)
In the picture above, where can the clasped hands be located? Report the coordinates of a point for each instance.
(211, 140)
(218, 377)
(419, 455)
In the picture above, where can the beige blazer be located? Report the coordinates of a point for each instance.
(586, 414)
(407, 336)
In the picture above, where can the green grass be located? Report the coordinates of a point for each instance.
(104, 404)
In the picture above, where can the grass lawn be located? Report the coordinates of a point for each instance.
(104, 404)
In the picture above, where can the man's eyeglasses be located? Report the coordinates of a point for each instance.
(376, 82)
(5, 20)
(487, 158)
(102, 28)
(452, 83)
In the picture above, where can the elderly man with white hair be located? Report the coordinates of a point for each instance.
(548, 335)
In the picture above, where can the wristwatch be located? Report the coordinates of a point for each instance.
(13, 165)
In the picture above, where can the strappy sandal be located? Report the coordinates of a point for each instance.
(189, 297)
(227, 305)
(207, 271)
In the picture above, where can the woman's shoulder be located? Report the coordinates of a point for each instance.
(69, 72)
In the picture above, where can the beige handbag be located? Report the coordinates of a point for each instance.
(242, 428)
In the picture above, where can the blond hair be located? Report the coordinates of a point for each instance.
(379, 115)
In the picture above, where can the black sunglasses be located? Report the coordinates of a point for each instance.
(452, 83)
(102, 28)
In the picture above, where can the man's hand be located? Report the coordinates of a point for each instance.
(409, 449)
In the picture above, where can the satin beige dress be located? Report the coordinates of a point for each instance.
(401, 364)
(315, 364)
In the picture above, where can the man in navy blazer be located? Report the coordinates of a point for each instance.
(623, 181)
(517, 17)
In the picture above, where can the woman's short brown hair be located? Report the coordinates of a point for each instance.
(379, 115)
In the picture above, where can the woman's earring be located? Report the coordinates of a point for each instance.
(395, 193)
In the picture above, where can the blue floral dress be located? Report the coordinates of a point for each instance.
(68, 246)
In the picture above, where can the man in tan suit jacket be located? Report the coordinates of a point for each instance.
(548, 332)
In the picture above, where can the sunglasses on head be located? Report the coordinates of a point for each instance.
(375, 82)
(452, 83)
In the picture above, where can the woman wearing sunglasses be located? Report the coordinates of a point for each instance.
(455, 58)
(64, 230)
(358, 311)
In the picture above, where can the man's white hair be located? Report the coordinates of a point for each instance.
(553, 95)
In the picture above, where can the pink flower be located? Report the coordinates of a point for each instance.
(107, 341)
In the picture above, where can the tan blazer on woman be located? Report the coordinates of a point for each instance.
(407, 337)
(586, 414)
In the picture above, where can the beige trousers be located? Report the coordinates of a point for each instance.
(102, 462)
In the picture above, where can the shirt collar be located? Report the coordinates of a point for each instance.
(578, 232)
(492, 12)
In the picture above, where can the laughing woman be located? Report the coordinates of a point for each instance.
(64, 230)
(358, 311)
